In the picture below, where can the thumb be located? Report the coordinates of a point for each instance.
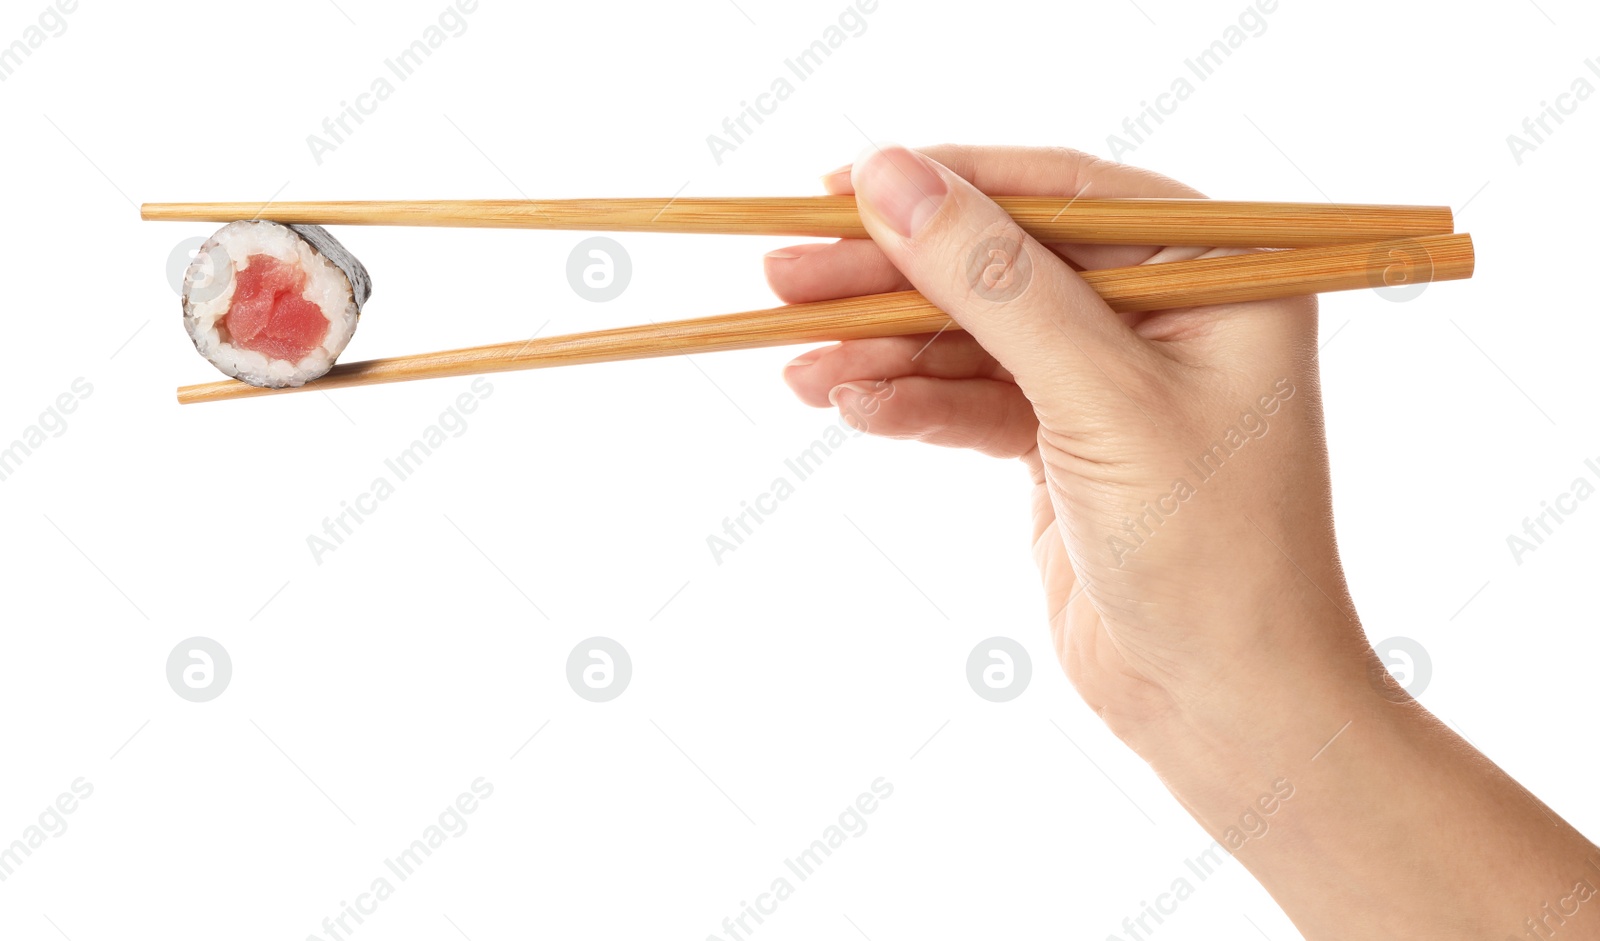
(1070, 353)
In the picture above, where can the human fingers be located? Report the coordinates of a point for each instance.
(985, 415)
(952, 354)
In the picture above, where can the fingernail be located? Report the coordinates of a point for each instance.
(791, 252)
(805, 359)
(843, 171)
(901, 187)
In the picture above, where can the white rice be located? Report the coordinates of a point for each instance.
(208, 287)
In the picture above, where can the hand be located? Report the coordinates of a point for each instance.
(1182, 520)
(1183, 527)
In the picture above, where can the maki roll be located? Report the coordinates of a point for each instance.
(273, 305)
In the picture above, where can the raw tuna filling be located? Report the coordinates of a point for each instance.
(268, 314)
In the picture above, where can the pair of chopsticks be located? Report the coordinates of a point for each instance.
(1327, 247)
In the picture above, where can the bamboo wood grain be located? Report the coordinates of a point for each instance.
(1223, 280)
(1203, 222)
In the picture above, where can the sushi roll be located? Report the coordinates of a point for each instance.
(273, 305)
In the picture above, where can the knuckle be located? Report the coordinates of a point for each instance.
(960, 158)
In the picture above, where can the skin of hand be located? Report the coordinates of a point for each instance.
(1183, 528)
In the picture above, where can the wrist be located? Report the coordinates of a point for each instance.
(1340, 794)
(1264, 715)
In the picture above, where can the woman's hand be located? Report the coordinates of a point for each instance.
(1182, 519)
(1183, 527)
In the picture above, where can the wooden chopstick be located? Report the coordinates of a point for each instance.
(1108, 221)
(1222, 280)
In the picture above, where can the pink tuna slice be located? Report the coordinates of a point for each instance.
(269, 315)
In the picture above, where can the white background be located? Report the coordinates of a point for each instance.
(829, 650)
